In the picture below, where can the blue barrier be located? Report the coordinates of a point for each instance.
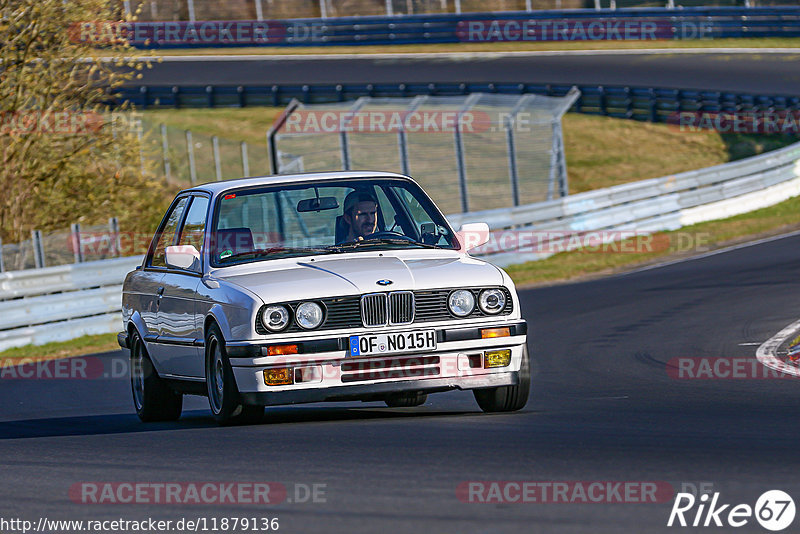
(638, 103)
(579, 24)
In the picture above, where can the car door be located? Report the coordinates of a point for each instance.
(180, 336)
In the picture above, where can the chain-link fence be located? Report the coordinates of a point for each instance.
(187, 158)
(181, 10)
(473, 152)
(74, 245)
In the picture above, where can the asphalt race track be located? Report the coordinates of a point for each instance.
(604, 406)
(742, 72)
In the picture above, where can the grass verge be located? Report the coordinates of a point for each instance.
(61, 349)
(688, 241)
(513, 46)
(601, 151)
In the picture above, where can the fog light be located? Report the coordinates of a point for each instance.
(495, 332)
(281, 350)
(282, 376)
(496, 358)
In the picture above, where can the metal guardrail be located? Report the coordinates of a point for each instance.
(60, 303)
(640, 103)
(660, 23)
(658, 204)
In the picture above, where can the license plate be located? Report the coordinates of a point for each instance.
(390, 343)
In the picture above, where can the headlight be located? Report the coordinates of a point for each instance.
(308, 315)
(461, 302)
(492, 301)
(275, 317)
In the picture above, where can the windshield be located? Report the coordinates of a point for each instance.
(330, 217)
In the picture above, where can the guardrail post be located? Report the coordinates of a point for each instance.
(127, 5)
(38, 248)
(389, 8)
(512, 162)
(323, 9)
(190, 154)
(528, 6)
(458, 7)
(245, 161)
(217, 162)
(210, 93)
(345, 150)
(259, 10)
(115, 245)
(671, 4)
(190, 5)
(165, 151)
(2, 265)
(77, 248)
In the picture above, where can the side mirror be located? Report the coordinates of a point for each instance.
(183, 257)
(472, 235)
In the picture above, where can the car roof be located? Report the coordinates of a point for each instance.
(216, 188)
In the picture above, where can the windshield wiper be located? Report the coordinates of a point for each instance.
(258, 253)
(380, 241)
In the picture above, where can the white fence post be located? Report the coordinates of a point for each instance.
(259, 10)
(77, 249)
(2, 266)
(217, 162)
(116, 246)
(323, 8)
(389, 8)
(165, 151)
(190, 153)
(245, 161)
(458, 6)
(38, 249)
(190, 5)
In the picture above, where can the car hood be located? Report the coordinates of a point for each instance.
(329, 277)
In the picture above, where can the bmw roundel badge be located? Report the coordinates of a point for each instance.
(384, 282)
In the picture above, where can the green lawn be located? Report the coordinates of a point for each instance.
(61, 349)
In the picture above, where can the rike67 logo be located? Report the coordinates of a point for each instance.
(774, 510)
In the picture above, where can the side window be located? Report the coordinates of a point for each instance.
(194, 226)
(167, 236)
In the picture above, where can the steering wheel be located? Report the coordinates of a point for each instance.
(388, 234)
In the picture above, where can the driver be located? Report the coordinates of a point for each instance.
(360, 212)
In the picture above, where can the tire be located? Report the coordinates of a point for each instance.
(223, 396)
(406, 400)
(507, 398)
(153, 399)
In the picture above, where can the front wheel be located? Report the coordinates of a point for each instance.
(507, 398)
(153, 399)
(223, 396)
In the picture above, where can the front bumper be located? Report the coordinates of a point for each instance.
(376, 391)
(322, 371)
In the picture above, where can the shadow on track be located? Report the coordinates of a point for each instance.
(125, 423)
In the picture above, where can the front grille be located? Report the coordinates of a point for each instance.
(373, 309)
(348, 312)
(401, 307)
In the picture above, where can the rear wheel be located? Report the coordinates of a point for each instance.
(153, 399)
(507, 398)
(406, 400)
(223, 396)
